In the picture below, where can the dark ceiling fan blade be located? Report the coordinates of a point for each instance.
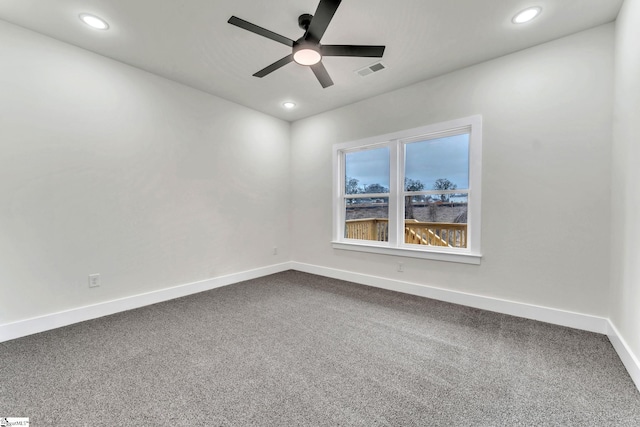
(322, 75)
(271, 68)
(321, 19)
(352, 50)
(245, 25)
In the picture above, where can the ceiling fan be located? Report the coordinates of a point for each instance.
(307, 50)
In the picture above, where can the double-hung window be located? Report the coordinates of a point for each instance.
(414, 193)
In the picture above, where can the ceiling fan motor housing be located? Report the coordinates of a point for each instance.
(304, 21)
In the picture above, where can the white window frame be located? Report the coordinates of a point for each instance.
(396, 141)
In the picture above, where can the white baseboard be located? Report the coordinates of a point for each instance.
(544, 314)
(629, 359)
(581, 321)
(26, 327)
(585, 322)
(35, 325)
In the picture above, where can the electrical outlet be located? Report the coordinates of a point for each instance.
(275, 250)
(94, 280)
(401, 267)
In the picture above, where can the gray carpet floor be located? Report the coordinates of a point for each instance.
(298, 349)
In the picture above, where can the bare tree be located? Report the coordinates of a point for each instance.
(376, 188)
(411, 185)
(444, 184)
(351, 186)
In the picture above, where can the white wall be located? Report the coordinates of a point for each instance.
(546, 177)
(105, 168)
(625, 252)
(108, 169)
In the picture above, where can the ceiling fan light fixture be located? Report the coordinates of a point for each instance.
(307, 50)
(93, 21)
(306, 54)
(526, 15)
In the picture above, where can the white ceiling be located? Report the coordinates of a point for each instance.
(191, 42)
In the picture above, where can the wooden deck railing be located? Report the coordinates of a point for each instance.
(415, 232)
(435, 233)
(368, 229)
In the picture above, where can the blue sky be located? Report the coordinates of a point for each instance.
(426, 161)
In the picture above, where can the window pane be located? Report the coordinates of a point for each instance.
(367, 171)
(437, 164)
(367, 219)
(435, 222)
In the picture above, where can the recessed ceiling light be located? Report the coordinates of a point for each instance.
(94, 22)
(289, 105)
(526, 15)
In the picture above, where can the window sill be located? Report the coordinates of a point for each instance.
(464, 258)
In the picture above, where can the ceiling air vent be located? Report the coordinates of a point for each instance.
(370, 69)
